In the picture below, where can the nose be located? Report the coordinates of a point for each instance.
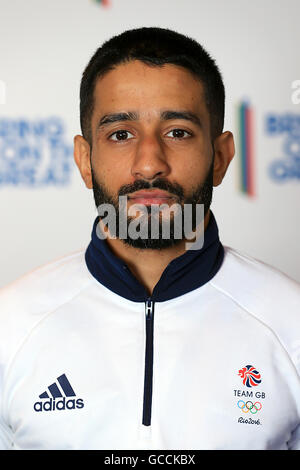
(150, 160)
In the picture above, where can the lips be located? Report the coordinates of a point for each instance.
(150, 197)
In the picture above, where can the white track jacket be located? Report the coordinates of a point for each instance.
(210, 361)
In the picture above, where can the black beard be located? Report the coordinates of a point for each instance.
(201, 195)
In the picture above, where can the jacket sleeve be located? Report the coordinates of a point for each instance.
(6, 442)
(294, 442)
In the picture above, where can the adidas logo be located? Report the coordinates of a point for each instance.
(60, 397)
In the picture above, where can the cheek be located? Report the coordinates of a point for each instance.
(109, 179)
(193, 162)
(110, 159)
(193, 170)
(112, 175)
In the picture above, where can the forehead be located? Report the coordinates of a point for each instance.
(135, 85)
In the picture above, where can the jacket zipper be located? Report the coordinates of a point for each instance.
(149, 310)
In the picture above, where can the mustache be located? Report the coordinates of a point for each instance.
(160, 183)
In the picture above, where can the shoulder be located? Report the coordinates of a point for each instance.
(255, 281)
(48, 284)
(27, 300)
(265, 293)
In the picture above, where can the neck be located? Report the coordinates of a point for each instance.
(148, 265)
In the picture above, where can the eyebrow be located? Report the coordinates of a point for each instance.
(134, 116)
(117, 117)
(186, 115)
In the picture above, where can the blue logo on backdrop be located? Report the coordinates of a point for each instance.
(287, 125)
(34, 152)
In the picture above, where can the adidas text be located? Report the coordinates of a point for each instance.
(63, 404)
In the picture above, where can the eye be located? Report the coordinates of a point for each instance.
(120, 135)
(179, 133)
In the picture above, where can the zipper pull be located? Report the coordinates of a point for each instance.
(149, 308)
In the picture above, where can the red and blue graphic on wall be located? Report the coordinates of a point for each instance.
(246, 148)
(251, 376)
(104, 3)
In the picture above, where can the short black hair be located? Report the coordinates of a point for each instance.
(155, 47)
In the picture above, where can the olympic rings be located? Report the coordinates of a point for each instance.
(249, 406)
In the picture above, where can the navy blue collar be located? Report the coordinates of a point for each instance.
(183, 274)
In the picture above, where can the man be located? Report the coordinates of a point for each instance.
(145, 342)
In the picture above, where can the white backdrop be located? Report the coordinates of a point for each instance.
(44, 47)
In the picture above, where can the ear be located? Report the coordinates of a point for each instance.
(82, 159)
(224, 153)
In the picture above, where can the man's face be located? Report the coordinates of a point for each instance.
(151, 132)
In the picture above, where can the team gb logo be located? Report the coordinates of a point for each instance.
(251, 376)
